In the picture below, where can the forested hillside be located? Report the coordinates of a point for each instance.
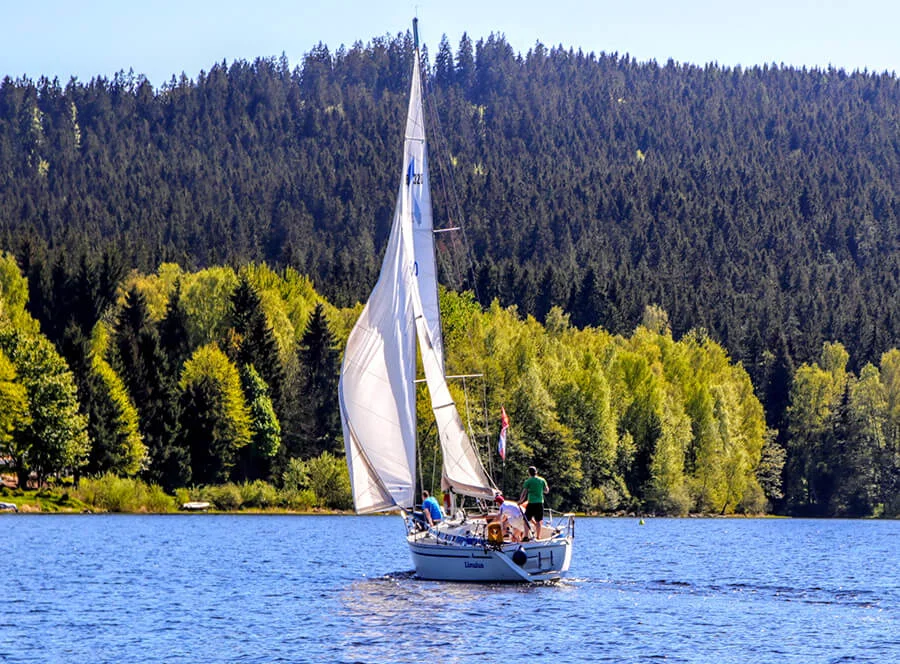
(760, 206)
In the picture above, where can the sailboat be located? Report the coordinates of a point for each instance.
(377, 395)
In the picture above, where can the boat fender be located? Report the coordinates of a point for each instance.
(519, 557)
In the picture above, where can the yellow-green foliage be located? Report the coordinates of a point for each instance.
(13, 286)
(210, 363)
(206, 297)
(295, 491)
(268, 286)
(330, 481)
(258, 494)
(287, 299)
(132, 452)
(55, 437)
(156, 288)
(323, 481)
(225, 497)
(616, 422)
(231, 496)
(828, 402)
(815, 395)
(14, 295)
(674, 423)
(119, 494)
(14, 412)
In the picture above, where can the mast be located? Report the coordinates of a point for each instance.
(431, 296)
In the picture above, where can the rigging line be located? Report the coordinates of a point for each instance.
(449, 190)
(419, 460)
(473, 436)
(448, 259)
(419, 464)
(490, 456)
(433, 466)
(469, 417)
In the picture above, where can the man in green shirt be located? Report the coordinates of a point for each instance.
(533, 491)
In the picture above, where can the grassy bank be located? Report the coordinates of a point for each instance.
(45, 500)
(116, 494)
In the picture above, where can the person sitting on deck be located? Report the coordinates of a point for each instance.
(512, 518)
(431, 508)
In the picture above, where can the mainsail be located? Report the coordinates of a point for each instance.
(377, 385)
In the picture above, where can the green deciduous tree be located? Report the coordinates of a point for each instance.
(330, 480)
(813, 415)
(14, 413)
(56, 438)
(205, 296)
(215, 420)
(861, 439)
(14, 295)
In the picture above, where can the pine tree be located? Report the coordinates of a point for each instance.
(140, 361)
(319, 424)
(173, 333)
(465, 63)
(254, 339)
(443, 63)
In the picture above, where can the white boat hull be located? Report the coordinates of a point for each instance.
(473, 559)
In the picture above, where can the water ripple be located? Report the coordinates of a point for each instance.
(213, 589)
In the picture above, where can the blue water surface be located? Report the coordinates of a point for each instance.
(249, 588)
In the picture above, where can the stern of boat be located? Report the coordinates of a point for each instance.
(460, 550)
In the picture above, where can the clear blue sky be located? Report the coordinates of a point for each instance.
(159, 38)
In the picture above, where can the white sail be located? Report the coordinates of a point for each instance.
(377, 384)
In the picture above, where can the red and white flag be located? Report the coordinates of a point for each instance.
(504, 425)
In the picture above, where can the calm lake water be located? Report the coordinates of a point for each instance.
(205, 588)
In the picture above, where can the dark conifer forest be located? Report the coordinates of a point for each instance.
(759, 205)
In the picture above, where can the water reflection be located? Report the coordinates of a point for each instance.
(398, 617)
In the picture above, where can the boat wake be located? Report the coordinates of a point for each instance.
(858, 598)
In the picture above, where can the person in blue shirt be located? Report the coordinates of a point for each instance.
(431, 508)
